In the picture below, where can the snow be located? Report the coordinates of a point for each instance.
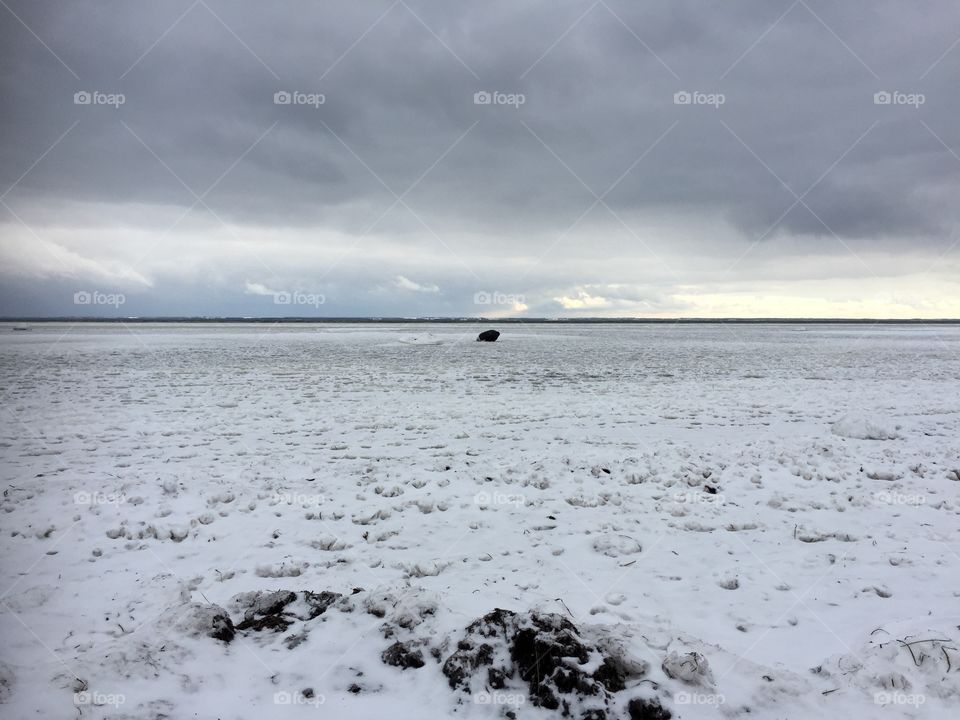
(860, 428)
(762, 521)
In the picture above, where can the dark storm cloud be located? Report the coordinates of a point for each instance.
(203, 94)
(798, 145)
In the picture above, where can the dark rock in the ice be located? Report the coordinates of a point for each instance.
(488, 336)
(710, 489)
(402, 655)
(611, 675)
(272, 603)
(204, 620)
(265, 610)
(278, 610)
(319, 602)
(541, 652)
(644, 709)
(546, 652)
(295, 640)
(473, 652)
(277, 623)
(460, 666)
(221, 627)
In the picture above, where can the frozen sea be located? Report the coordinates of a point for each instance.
(779, 503)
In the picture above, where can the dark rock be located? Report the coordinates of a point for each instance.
(611, 675)
(493, 624)
(544, 650)
(460, 666)
(643, 709)
(295, 640)
(262, 604)
(272, 603)
(198, 619)
(488, 336)
(472, 653)
(221, 627)
(277, 623)
(276, 610)
(402, 655)
(541, 652)
(319, 602)
(264, 611)
(496, 678)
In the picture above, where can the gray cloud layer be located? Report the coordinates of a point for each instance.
(598, 80)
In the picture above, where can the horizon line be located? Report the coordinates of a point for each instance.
(370, 319)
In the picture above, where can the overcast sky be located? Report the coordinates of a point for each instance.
(447, 158)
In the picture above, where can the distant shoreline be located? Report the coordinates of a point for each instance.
(478, 320)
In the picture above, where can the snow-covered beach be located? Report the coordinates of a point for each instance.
(754, 520)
